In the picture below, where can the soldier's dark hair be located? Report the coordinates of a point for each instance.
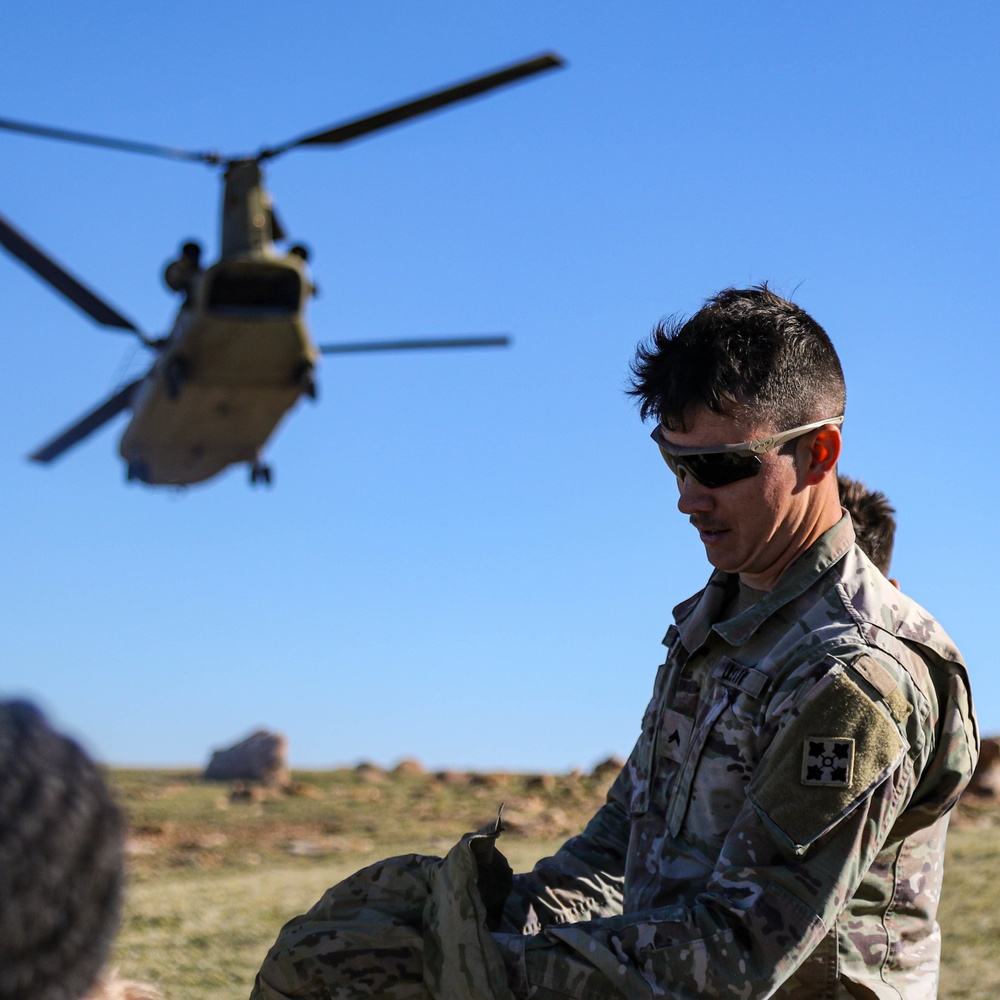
(745, 349)
(61, 864)
(874, 520)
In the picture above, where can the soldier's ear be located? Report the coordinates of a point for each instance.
(823, 452)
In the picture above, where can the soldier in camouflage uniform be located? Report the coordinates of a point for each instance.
(779, 828)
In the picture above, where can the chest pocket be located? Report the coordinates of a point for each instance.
(727, 685)
(678, 795)
(666, 758)
(641, 763)
(674, 737)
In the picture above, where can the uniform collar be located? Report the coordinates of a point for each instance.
(699, 615)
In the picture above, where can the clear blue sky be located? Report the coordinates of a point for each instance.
(470, 558)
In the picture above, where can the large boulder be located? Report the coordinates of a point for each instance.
(262, 757)
(986, 778)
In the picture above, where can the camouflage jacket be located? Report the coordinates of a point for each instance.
(778, 829)
(408, 928)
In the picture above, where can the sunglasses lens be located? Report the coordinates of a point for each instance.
(715, 470)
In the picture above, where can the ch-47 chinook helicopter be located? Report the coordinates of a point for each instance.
(239, 354)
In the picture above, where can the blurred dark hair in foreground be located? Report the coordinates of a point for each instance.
(61, 871)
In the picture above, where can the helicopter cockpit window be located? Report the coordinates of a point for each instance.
(268, 290)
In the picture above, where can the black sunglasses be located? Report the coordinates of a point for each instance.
(722, 464)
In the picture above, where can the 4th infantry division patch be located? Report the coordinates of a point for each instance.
(828, 761)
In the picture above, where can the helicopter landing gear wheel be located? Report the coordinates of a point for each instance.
(304, 377)
(176, 375)
(260, 473)
(137, 471)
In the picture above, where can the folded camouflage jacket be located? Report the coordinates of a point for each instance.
(779, 828)
(413, 927)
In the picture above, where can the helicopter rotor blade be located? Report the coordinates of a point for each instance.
(346, 131)
(89, 139)
(63, 282)
(87, 424)
(411, 345)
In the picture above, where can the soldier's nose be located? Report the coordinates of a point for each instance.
(694, 498)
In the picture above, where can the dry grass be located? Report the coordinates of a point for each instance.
(179, 822)
(213, 878)
(970, 907)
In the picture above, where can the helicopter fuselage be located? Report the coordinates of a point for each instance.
(239, 354)
(237, 360)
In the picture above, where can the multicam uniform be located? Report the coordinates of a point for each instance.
(778, 829)
(780, 824)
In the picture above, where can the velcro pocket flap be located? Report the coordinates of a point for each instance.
(836, 747)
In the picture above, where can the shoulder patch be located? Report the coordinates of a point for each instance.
(825, 760)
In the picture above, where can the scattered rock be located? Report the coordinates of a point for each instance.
(303, 790)
(546, 824)
(542, 782)
(137, 846)
(409, 766)
(608, 768)
(174, 788)
(369, 772)
(489, 779)
(532, 805)
(458, 779)
(242, 792)
(365, 794)
(262, 757)
(204, 842)
(153, 829)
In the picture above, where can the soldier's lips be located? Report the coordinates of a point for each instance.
(710, 535)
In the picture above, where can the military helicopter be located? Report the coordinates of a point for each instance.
(239, 354)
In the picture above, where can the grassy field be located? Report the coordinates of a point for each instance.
(215, 871)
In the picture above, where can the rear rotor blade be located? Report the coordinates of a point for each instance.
(88, 139)
(62, 281)
(347, 131)
(412, 345)
(86, 425)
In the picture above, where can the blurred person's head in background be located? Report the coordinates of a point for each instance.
(874, 521)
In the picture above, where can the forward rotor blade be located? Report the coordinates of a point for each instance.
(88, 139)
(413, 345)
(62, 281)
(347, 131)
(87, 425)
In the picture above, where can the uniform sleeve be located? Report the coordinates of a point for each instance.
(583, 880)
(823, 798)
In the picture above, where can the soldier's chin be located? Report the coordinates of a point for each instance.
(719, 560)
